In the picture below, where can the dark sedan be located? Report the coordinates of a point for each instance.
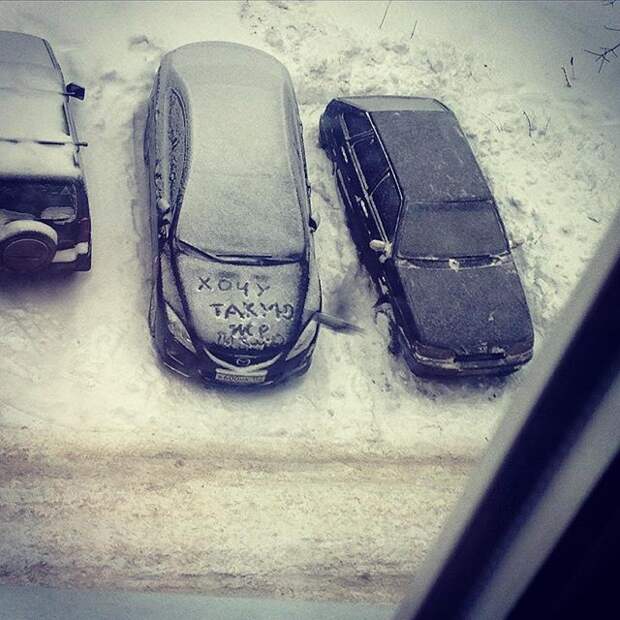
(236, 292)
(428, 229)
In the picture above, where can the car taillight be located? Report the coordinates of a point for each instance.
(84, 230)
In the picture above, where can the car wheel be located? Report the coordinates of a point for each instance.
(27, 246)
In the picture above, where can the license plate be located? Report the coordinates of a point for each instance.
(229, 377)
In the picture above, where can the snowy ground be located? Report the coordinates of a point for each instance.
(117, 473)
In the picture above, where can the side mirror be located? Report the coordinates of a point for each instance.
(314, 222)
(384, 247)
(75, 90)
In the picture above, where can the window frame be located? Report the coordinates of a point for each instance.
(347, 134)
(174, 201)
(350, 142)
(380, 220)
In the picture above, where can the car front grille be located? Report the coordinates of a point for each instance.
(479, 357)
(241, 361)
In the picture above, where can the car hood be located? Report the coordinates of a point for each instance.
(248, 309)
(466, 309)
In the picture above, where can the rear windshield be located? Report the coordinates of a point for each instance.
(47, 200)
(451, 230)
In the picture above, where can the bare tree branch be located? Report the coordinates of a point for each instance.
(566, 77)
(387, 8)
(603, 56)
(529, 124)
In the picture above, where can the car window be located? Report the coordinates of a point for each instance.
(451, 230)
(176, 145)
(371, 159)
(296, 137)
(356, 123)
(48, 200)
(386, 199)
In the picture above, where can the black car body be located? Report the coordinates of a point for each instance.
(427, 227)
(44, 212)
(236, 290)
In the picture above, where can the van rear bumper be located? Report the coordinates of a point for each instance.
(76, 258)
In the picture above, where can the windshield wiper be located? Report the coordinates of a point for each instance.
(465, 260)
(190, 249)
(240, 258)
(266, 259)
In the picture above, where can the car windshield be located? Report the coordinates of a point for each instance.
(45, 199)
(244, 216)
(451, 230)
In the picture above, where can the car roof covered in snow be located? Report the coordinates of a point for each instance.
(241, 174)
(35, 139)
(430, 155)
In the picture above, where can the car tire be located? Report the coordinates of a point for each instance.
(27, 246)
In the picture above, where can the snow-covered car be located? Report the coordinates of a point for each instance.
(236, 291)
(427, 227)
(44, 213)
